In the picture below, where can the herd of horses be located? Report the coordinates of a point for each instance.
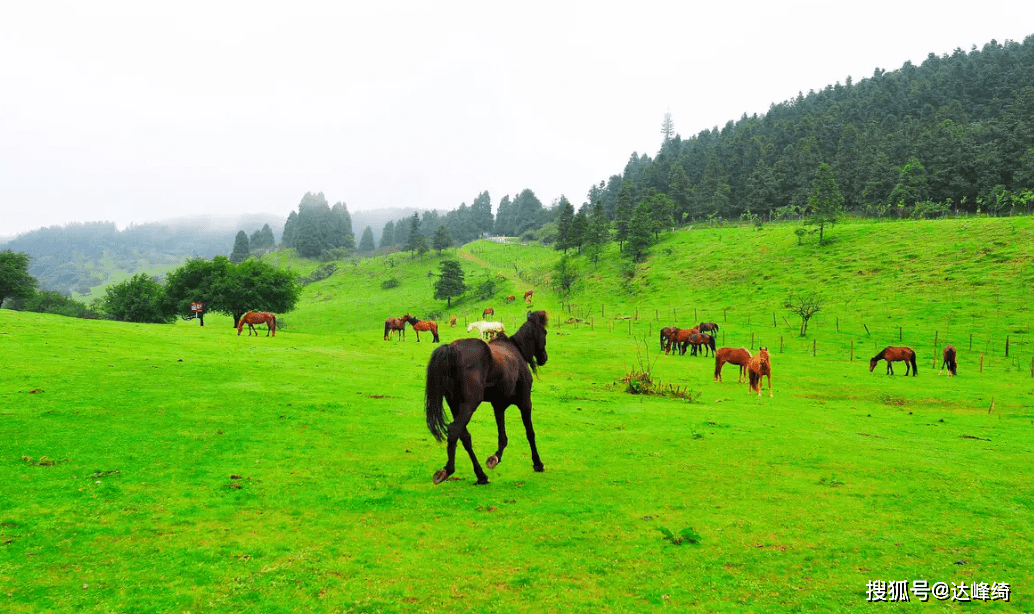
(498, 369)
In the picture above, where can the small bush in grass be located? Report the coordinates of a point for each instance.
(389, 283)
(683, 536)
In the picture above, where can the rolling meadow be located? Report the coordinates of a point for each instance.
(179, 468)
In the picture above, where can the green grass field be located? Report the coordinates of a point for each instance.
(175, 468)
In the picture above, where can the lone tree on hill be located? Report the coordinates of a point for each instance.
(804, 305)
(450, 281)
(826, 202)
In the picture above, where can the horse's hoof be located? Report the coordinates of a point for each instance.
(492, 461)
(440, 476)
(539, 468)
(481, 482)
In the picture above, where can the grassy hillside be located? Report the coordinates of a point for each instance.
(156, 468)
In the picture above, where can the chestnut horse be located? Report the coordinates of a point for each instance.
(528, 295)
(487, 312)
(667, 334)
(679, 337)
(736, 356)
(423, 325)
(257, 317)
(511, 298)
(758, 367)
(397, 325)
(949, 361)
(893, 354)
(452, 321)
(469, 371)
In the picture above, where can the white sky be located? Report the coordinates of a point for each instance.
(139, 111)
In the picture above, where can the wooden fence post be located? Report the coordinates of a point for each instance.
(1007, 346)
(814, 345)
(934, 366)
(935, 338)
(752, 341)
(780, 344)
(899, 333)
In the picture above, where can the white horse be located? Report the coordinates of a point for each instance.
(488, 330)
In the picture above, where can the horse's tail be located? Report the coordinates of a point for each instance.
(272, 324)
(913, 360)
(434, 331)
(387, 327)
(441, 376)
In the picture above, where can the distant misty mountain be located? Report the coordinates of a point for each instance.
(79, 256)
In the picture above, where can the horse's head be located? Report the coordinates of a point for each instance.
(539, 319)
(764, 357)
(872, 363)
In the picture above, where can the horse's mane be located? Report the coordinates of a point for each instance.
(524, 338)
(882, 354)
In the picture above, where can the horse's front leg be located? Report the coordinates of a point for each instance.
(495, 459)
(536, 462)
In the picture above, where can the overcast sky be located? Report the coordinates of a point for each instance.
(139, 111)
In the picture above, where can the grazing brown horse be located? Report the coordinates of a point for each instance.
(511, 298)
(667, 333)
(487, 312)
(452, 321)
(893, 354)
(758, 367)
(700, 339)
(469, 371)
(679, 338)
(397, 325)
(257, 317)
(737, 356)
(708, 327)
(422, 325)
(528, 295)
(949, 361)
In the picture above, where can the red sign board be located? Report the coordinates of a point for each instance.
(196, 307)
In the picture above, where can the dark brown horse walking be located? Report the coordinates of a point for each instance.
(487, 312)
(397, 325)
(423, 325)
(736, 356)
(469, 371)
(758, 367)
(893, 354)
(252, 318)
(949, 361)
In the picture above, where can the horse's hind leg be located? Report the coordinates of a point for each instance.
(468, 445)
(500, 423)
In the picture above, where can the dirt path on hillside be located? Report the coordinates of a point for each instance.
(475, 259)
